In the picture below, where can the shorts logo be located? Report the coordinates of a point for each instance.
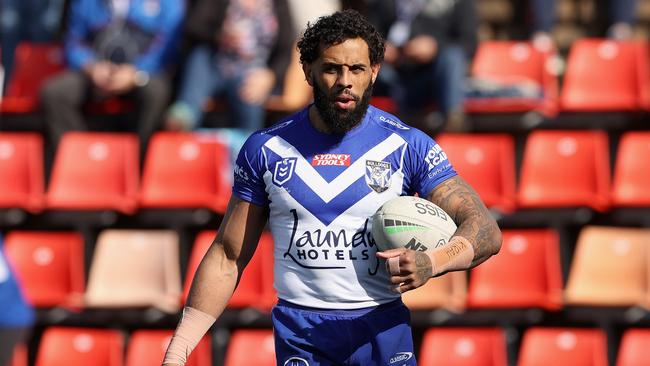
(296, 361)
(378, 175)
(400, 357)
(331, 160)
(284, 170)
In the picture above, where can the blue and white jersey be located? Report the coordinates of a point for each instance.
(322, 190)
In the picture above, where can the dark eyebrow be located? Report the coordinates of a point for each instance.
(336, 64)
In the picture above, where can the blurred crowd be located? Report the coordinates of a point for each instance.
(173, 58)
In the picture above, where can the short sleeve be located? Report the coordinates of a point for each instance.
(427, 164)
(249, 171)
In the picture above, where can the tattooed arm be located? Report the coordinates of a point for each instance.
(474, 221)
(476, 239)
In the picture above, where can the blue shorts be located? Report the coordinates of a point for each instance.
(375, 336)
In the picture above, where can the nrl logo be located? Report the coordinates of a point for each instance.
(378, 175)
(284, 170)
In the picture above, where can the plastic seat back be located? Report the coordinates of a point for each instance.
(95, 171)
(33, 64)
(601, 75)
(512, 63)
(563, 347)
(49, 265)
(463, 347)
(135, 268)
(21, 169)
(609, 268)
(445, 292)
(186, 170)
(251, 347)
(633, 350)
(487, 163)
(147, 348)
(526, 273)
(19, 357)
(80, 346)
(255, 288)
(631, 173)
(565, 169)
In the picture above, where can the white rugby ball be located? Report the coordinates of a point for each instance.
(411, 222)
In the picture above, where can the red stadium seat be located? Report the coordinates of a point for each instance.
(447, 292)
(147, 348)
(21, 169)
(602, 75)
(525, 274)
(631, 173)
(49, 266)
(251, 347)
(95, 171)
(609, 268)
(80, 346)
(256, 286)
(186, 170)
(565, 169)
(19, 357)
(563, 347)
(135, 268)
(463, 347)
(487, 162)
(34, 63)
(633, 350)
(512, 62)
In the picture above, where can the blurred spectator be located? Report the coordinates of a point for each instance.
(115, 48)
(428, 45)
(16, 315)
(617, 17)
(27, 20)
(241, 48)
(613, 18)
(294, 91)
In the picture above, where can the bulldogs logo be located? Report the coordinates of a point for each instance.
(378, 175)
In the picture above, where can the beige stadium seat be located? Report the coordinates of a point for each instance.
(446, 292)
(610, 267)
(135, 268)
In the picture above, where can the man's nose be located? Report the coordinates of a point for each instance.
(344, 79)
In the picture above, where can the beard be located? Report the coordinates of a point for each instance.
(338, 120)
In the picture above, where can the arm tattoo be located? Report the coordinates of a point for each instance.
(423, 266)
(467, 210)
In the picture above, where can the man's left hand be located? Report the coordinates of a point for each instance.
(421, 49)
(122, 80)
(409, 269)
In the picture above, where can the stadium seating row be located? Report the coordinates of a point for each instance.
(129, 269)
(439, 346)
(140, 268)
(99, 171)
(601, 75)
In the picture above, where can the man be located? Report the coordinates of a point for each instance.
(115, 48)
(309, 175)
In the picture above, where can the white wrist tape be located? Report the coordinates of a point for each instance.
(191, 328)
(458, 254)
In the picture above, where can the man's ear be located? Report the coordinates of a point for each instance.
(375, 71)
(306, 68)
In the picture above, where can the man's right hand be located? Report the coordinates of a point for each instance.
(100, 73)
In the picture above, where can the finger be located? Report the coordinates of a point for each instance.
(407, 286)
(391, 253)
(396, 280)
(393, 265)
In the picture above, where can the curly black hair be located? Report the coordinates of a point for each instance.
(335, 29)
